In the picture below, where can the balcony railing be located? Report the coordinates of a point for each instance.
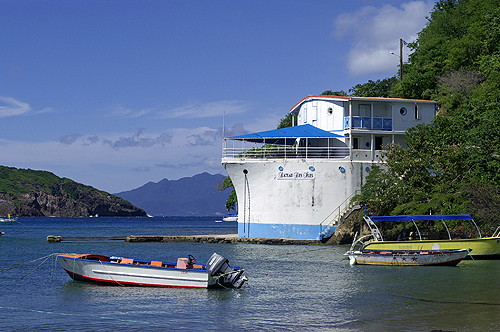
(360, 122)
(281, 152)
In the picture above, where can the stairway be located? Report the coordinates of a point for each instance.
(329, 229)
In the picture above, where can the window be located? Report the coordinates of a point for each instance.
(364, 110)
(329, 110)
(417, 113)
(378, 142)
(403, 111)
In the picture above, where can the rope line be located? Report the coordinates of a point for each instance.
(109, 275)
(10, 268)
(38, 265)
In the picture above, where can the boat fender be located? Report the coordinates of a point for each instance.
(352, 260)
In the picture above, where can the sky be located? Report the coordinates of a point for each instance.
(118, 93)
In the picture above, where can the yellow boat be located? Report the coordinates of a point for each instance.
(482, 247)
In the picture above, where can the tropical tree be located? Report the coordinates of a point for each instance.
(232, 200)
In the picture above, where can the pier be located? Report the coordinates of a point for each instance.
(218, 238)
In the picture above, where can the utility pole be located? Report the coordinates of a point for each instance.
(401, 59)
(401, 41)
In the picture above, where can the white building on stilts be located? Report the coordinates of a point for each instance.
(295, 182)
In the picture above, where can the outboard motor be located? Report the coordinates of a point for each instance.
(219, 267)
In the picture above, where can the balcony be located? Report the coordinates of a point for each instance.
(360, 122)
(285, 152)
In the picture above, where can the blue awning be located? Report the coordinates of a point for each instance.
(279, 135)
(422, 217)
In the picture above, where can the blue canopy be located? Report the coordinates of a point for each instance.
(303, 131)
(423, 217)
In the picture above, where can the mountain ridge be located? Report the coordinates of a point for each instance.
(188, 196)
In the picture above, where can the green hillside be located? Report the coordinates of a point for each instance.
(452, 165)
(26, 192)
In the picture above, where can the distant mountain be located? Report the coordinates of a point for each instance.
(190, 196)
(26, 192)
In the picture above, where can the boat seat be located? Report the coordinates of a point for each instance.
(127, 261)
(156, 263)
(182, 263)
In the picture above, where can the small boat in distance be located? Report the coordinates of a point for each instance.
(7, 221)
(407, 257)
(230, 217)
(134, 272)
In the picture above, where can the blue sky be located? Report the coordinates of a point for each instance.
(117, 93)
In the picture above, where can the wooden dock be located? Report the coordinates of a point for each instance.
(218, 238)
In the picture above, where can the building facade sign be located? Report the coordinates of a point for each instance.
(306, 175)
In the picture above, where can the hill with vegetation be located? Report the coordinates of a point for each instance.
(190, 196)
(451, 165)
(25, 192)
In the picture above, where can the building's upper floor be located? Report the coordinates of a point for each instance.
(357, 128)
(345, 115)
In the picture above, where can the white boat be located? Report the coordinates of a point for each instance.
(297, 182)
(407, 257)
(134, 272)
(230, 217)
(7, 221)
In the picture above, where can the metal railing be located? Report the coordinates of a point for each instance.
(282, 152)
(337, 212)
(363, 122)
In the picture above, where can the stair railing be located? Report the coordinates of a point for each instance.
(340, 209)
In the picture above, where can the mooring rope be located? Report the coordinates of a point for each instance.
(38, 265)
(44, 257)
(469, 253)
(109, 275)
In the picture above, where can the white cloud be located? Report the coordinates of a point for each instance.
(121, 161)
(121, 111)
(12, 107)
(135, 140)
(207, 110)
(375, 32)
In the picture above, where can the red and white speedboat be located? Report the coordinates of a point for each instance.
(134, 272)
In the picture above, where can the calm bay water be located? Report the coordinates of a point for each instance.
(290, 288)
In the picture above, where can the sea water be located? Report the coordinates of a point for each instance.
(290, 288)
